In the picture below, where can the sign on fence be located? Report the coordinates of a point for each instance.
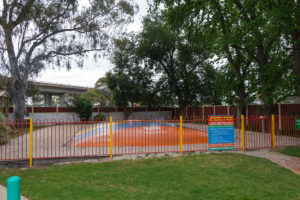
(297, 123)
(220, 132)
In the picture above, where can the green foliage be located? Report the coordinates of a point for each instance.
(99, 117)
(55, 33)
(4, 129)
(180, 64)
(84, 108)
(128, 82)
(247, 38)
(95, 96)
(105, 95)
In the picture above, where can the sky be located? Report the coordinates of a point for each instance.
(91, 71)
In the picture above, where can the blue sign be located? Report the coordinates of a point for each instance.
(221, 133)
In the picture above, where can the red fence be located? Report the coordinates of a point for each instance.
(62, 139)
(190, 112)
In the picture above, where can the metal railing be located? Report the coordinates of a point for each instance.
(65, 138)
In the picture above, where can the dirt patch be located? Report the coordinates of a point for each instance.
(290, 162)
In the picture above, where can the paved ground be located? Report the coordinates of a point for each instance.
(3, 195)
(290, 162)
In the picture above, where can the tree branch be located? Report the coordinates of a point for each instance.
(24, 11)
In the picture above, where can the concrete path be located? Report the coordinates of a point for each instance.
(3, 194)
(290, 162)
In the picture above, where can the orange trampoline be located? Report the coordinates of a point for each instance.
(138, 133)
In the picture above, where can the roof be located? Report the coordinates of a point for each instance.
(3, 93)
(59, 85)
(292, 100)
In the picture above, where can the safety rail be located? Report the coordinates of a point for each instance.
(35, 139)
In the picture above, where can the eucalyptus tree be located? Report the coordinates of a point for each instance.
(35, 34)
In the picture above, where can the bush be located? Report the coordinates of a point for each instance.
(99, 117)
(4, 129)
(84, 108)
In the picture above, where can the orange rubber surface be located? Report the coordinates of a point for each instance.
(145, 136)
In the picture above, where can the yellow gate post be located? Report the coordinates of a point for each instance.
(180, 130)
(30, 142)
(110, 140)
(273, 131)
(243, 132)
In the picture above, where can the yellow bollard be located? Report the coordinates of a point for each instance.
(243, 132)
(180, 130)
(30, 142)
(273, 132)
(110, 140)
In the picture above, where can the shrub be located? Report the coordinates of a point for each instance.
(84, 108)
(99, 117)
(4, 129)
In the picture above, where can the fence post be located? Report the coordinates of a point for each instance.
(14, 188)
(180, 130)
(247, 114)
(186, 112)
(243, 132)
(273, 131)
(30, 142)
(110, 140)
(279, 116)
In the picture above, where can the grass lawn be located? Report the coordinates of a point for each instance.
(205, 176)
(292, 151)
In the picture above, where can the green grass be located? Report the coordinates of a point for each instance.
(292, 151)
(206, 176)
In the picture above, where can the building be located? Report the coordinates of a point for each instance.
(4, 102)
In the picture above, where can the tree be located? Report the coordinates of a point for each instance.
(95, 96)
(35, 34)
(291, 27)
(31, 92)
(179, 63)
(248, 35)
(260, 37)
(128, 82)
(101, 88)
(84, 108)
(295, 33)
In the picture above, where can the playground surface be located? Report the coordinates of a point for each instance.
(138, 133)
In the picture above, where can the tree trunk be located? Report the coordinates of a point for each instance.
(18, 90)
(182, 110)
(127, 112)
(241, 108)
(266, 81)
